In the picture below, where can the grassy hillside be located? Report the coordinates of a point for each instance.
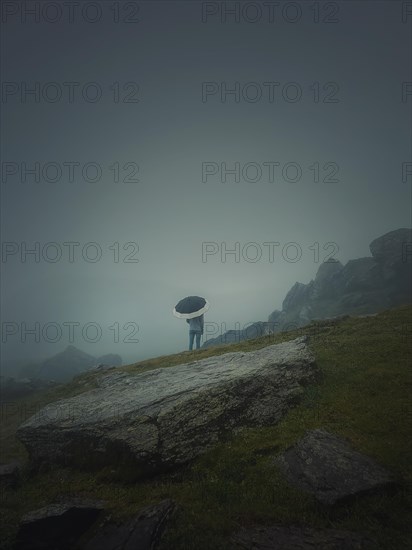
(365, 395)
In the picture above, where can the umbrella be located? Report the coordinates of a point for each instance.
(191, 306)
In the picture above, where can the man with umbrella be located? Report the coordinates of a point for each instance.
(192, 309)
(195, 329)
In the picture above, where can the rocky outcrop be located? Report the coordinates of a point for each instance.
(162, 418)
(361, 286)
(392, 248)
(327, 272)
(326, 466)
(294, 537)
(297, 295)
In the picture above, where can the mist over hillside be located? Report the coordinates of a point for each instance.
(363, 285)
(59, 368)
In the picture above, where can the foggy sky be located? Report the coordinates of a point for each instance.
(351, 114)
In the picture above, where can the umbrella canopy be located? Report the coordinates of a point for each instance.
(191, 306)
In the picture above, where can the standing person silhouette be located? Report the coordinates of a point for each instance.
(192, 309)
(195, 329)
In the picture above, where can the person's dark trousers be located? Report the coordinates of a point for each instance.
(192, 335)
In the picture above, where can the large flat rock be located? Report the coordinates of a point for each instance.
(165, 417)
(326, 466)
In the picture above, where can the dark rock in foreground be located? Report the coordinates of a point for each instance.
(327, 467)
(165, 417)
(9, 474)
(57, 526)
(72, 523)
(141, 533)
(279, 537)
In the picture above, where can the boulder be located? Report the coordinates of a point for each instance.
(140, 533)
(10, 474)
(159, 419)
(279, 537)
(325, 466)
(58, 525)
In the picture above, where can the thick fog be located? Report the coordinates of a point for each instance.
(153, 150)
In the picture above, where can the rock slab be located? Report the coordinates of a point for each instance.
(327, 467)
(162, 418)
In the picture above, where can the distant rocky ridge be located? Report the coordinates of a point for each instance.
(59, 368)
(362, 286)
